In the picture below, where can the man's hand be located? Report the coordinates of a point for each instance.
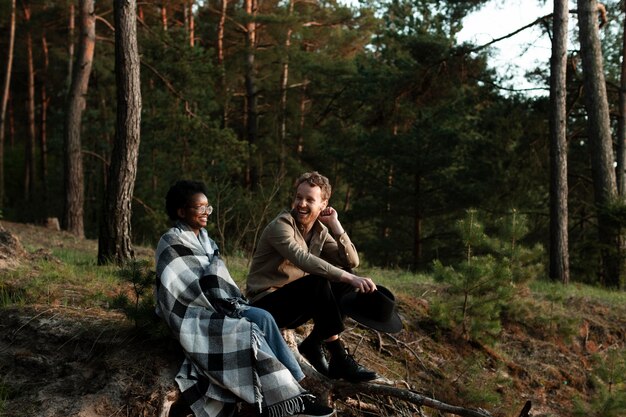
(330, 218)
(360, 284)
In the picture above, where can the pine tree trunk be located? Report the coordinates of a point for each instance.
(114, 242)
(303, 105)
(31, 138)
(220, 61)
(76, 103)
(220, 33)
(284, 82)
(559, 247)
(70, 44)
(251, 94)
(599, 132)
(43, 137)
(5, 97)
(164, 16)
(192, 24)
(621, 118)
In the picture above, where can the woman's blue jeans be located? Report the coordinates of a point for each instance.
(274, 340)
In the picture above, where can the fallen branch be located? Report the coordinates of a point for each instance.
(339, 389)
(344, 389)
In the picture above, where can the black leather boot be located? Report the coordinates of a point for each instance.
(314, 353)
(346, 367)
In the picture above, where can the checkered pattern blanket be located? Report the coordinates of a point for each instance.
(201, 304)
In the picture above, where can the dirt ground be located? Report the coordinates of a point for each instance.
(63, 360)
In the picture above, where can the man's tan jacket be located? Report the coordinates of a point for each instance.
(283, 256)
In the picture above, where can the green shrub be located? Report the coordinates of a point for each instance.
(608, 384)
(479, 288)
(138, 273)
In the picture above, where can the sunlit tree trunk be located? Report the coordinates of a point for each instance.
(164, 16)
(559, 246)
(601, 144)
(76, 103)
(114, 243)
(5, 97)
(191, 25)
(31, 138)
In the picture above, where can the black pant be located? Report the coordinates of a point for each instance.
(310, 297)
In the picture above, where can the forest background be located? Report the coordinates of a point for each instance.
(414, 129)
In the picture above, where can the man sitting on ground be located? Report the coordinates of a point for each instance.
(301, 269)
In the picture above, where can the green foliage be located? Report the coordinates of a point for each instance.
(140, 309)
(525, 262)
(411, 129)
(477, 385)
(479, 288)
(608, 383)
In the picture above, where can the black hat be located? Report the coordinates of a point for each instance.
(376, 310)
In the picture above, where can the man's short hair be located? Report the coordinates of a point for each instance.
(314, 178)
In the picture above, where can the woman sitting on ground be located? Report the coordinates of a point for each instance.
(233, 352)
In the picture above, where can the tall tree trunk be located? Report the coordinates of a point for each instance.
(43, 133)
(220, 33)
(164, 16)
(251, 93)
(284, 82)
(74, 177)
(303, 105)
(186, 17)
(621, 126)
(599, 132)
(191, 27)
(31, 139)
(114, 243)
(70, 44)
(5, 97)
(559, 246)
(220, 61)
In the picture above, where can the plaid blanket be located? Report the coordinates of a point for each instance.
(201, 304)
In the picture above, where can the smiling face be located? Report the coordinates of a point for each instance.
(192, 213)
(308, 204)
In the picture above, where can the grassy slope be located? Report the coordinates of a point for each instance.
(557, 344)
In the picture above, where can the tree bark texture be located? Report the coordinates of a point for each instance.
(600, 140)
(43, 131)
(76, 103)
(5, 97)
(621, 118)
(284, 82)
(191, 26)
(70, 43)
(559, 245)
(220, 62)
(114, 242)
(251, 93)
(31, 138)
(164, 16)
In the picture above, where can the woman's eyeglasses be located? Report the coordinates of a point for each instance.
(203, 209)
